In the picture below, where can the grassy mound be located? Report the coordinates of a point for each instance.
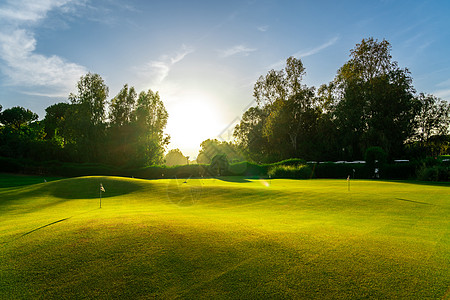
(227, 238)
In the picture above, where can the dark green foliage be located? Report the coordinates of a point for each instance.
(403, 170)
(334, 170)
(371, 102)
(78, 132)
(291, 171)
(434, 173)
(376, 104)
(247, 169)
(375, 157)
(219, 164)
(17, 116)
(428, 169)
(10, 165)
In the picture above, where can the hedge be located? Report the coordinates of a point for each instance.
(428, 169)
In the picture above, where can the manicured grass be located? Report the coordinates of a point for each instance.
(229, 238)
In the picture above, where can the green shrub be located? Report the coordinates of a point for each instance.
(404, 170)
(434, 173)
(219, 165)
(290, 162)
(375, 157)
(10, 165)
(334, 170)
(248, 169)
(292, 171)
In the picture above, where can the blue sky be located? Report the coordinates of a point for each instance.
(204, 56)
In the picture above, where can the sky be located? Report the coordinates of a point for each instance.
(203, 57)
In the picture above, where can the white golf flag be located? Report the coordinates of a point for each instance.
(102, 188)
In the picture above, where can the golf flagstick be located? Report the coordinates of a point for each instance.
(102, 189)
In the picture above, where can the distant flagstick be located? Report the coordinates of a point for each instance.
(102, 189)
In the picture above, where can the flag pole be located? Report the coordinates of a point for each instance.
(100, 189)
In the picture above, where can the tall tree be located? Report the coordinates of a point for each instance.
(151, 120)
(88, 116)
(121, 131)
(287, 117)
(249, 135)
(375, 100)
(55, 122)
(122, 106)
(433, 117)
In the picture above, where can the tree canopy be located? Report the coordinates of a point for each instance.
(370, 103)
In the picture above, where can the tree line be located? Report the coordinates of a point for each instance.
(370, 103)
(126, 131)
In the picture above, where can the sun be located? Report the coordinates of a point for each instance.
(193, 118)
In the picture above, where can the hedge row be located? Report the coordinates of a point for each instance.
(430, 169)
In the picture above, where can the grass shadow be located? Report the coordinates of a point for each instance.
(240, 179)
(89, 188)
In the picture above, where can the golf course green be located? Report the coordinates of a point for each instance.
(223, 238)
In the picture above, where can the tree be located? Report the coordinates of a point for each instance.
(212, 147)
(286, 121)
(87, 117)
(122, 107)
(175, 158)
(91, 96)
(249, 135)
(432, 118)
(151, 119)
(121, 131)
(55, 122)
(279, 85)
(17, 116)
(375, 100)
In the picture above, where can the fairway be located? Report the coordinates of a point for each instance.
(224, 238)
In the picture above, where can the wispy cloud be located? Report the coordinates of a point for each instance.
(444, 90)
(444, 83)
(17, 13)
(238, 49)
(156, 71)
(263, 28)
(444, 94)
(18, 57)
(309, 52)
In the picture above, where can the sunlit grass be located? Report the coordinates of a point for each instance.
(229, 238)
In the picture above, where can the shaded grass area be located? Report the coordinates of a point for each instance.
(224, 239)
(13, 180)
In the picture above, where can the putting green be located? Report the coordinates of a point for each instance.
(224, 238)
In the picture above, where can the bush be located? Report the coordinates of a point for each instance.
(434, 173)
(249, 169)
(293, 171)
(375, 157)
(334, 170)
(219, 165)
(10, 165)
(290, 162)
(404, 170)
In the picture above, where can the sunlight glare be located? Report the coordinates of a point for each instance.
(193, 118)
